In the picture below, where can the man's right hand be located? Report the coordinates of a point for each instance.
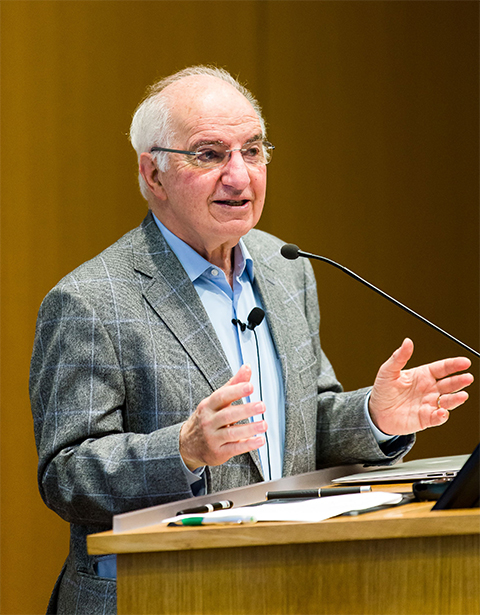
(211, 435)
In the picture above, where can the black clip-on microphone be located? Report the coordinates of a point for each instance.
(254, 319)
(290, 251)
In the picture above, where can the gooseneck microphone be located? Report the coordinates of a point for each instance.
(291, 252)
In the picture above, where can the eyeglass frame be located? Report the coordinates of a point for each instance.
(264, 142)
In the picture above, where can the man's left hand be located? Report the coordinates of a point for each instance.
(405, 401)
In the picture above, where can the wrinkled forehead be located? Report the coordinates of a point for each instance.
(202, 103)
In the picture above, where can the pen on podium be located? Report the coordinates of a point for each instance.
(316, 493)
(206, 508)
(230, 519)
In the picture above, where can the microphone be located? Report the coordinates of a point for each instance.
(291, 252)
(254, 319)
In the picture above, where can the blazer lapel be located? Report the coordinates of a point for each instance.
(171, 294)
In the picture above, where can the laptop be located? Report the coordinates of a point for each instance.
(417, 469)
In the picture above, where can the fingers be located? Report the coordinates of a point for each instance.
(234, 414)
(233, 434)
(244, 446)
(212, 434)
(450, 401)
(243, 375)
(409, 400)
(441, 369)
(394, 365)
(445, 403)
(439, 417)
(450, 388)
(235, 389)
(226, 395)
(454, 383)
(204, 443)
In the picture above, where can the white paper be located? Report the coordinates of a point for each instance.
(313, 510)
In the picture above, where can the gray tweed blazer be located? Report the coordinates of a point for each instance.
(124, 352)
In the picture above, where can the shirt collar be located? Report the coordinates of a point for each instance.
(194, 264)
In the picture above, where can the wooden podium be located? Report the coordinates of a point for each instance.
(404, 560)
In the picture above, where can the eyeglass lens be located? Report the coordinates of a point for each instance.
(216, 154)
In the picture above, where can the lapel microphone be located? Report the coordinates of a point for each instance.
(291, 252)
(253, 319)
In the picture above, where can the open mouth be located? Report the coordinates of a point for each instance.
(232, 203)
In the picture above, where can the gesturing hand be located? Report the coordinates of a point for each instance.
(406, 401)
(211, 435)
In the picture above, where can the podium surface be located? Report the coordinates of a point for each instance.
(402, 560)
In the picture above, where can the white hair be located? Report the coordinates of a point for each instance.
(152, 124)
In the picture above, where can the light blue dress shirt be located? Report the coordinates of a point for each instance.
(222, 303)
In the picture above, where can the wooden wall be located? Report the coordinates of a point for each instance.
(373, 108)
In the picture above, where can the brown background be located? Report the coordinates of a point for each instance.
(373, 108)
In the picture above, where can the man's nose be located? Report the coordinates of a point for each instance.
(235, 172)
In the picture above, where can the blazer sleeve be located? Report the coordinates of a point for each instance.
(90, 467)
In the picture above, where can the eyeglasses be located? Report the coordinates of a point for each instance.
(215, 155)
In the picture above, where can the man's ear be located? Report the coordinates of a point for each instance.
(149, 171)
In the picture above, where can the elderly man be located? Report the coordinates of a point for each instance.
(147, 386)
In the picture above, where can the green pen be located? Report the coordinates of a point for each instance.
(235, 519)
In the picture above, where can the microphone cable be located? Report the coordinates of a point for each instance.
(255, 317)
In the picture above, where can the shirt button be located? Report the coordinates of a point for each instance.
(214, 272)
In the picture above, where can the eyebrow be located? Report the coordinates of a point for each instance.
(258, 137)
(196, 145)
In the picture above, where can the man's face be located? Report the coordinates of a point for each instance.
(210, 209)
